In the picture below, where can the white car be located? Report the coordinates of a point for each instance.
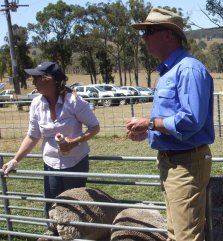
(116, 90)
(144, 91)
(92, 91)
(7, 92)
(130, 90)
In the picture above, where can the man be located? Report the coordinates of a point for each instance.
(180, 125)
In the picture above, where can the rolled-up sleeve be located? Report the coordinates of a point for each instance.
(84, 113)
(33, 130)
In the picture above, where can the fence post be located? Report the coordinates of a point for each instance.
(6, 201)
(219, 115)
(132, 108)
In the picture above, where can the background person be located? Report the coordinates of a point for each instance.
(57, 110)
(180, 125)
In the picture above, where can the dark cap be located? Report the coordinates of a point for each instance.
(48, 68)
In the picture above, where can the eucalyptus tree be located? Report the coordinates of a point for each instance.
(87, 38)
(87, 46)
(22, 53)
(23, 60)
(214, 11)
(4, 60)
(108, 23)
(216, 57)
(119, 19)
(98, 25)
(138, 12)
(53, 31)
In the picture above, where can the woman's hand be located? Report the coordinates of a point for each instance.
(69, 144)
(9, 166)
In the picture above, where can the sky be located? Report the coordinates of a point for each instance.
(26, 15)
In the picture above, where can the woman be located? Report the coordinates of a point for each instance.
(57, 110)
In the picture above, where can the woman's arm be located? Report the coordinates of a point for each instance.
(71, 143)
(27, 145)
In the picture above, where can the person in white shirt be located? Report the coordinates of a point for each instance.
(57, 110)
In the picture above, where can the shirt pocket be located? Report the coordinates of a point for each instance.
(166, 100)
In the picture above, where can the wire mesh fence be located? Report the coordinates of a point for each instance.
(14, 122)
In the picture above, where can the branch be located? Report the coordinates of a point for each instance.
(210, 18)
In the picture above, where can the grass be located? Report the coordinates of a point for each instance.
(85, 79)
(111, 143)
(109, 146)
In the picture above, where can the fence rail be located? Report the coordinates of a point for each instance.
(11, 220)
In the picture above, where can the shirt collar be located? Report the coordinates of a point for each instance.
(168, 63)
(59, 100)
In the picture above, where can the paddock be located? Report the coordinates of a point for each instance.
(22, 210)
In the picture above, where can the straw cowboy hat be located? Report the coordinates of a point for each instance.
(163, 18)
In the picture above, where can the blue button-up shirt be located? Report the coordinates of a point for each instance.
(184, 99)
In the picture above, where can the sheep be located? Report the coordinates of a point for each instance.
(65, 213)
(138, 218)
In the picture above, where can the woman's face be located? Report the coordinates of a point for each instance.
(43, 83)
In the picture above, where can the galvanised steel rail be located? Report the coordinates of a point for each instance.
(5, 196)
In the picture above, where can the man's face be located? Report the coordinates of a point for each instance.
(154, 39)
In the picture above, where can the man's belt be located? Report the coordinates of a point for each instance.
(176, 152)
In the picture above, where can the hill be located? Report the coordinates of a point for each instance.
(206, 34)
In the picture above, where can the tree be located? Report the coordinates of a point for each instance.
(105, 66)
(197, 49)
(5, 60)
(138, 12)
(214, 13)
(54, 29)
(216, 57)
(101, 28)
(20, 38)
(22, 53)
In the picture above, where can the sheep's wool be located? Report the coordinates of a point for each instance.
(139, 218)
(65, 213)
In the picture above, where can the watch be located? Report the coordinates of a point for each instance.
(151, 124)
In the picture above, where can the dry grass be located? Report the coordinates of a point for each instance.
(85, 79)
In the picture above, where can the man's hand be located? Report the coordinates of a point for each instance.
(9, 166)
(137, 136)
(137, 124)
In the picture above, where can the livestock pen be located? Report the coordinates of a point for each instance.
(22, 209)
(124, 173)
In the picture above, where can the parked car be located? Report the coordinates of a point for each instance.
(91, 91)
(85, 91)
(7, 92)
(144, 91)
(74, 85)
(116, 90)
(140, 91)
(130, 91)
(6, 95)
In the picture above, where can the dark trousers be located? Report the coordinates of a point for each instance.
(54, 185)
